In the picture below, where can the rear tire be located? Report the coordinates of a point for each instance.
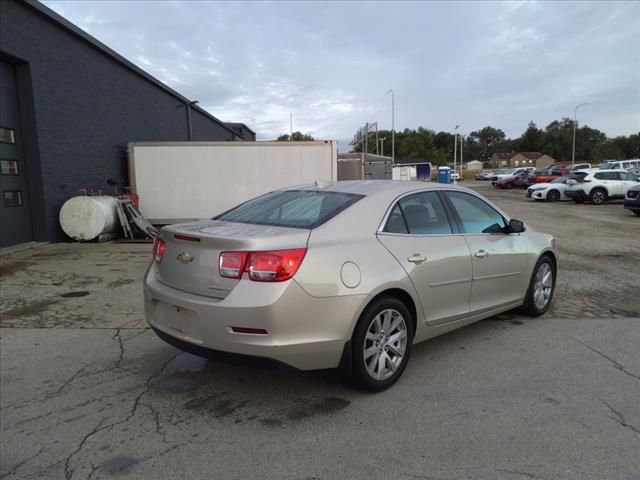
(381, 344)
(637, 212)
(541, 287)
(553, 196)
(598, 196)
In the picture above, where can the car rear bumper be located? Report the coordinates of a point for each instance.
(576, 194)
(304, 332)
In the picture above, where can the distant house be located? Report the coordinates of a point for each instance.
(474, 165)
(521, 159)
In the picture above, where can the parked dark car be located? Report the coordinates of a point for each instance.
(632, 199)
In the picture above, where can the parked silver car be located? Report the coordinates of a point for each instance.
(346, 274)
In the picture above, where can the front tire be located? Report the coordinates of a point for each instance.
(553, 196)
(381, 344)
(541, 287)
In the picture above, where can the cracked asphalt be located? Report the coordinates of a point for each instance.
(88, 392)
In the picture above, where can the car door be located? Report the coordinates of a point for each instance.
(628, 180)
(610, 181)
(499, 259)
(419, 234)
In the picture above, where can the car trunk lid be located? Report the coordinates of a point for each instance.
(192, 250)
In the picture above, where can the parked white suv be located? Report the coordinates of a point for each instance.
(600, 185)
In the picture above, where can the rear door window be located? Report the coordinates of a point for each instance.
(607, 176)
(291, 208)
(476, 215)
(419, 214)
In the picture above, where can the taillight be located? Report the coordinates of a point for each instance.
(158, 249)
(276, 266)
(231, 264)
(270, 266)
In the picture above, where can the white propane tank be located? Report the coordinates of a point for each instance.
(86, 218)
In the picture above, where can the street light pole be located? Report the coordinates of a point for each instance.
(461, 152)
(382, 145)
(455, 151)
(290, 126)
(575, 116)
(393, 128)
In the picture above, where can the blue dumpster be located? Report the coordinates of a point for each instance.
(444, 175)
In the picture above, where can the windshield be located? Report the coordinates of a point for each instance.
(291, 208)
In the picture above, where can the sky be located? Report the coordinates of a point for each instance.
(330, 64)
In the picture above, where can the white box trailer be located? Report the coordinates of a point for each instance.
(182, 181)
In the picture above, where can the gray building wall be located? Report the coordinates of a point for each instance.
(82, 108)
(244, 132)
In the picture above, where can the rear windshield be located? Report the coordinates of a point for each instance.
(291, 208)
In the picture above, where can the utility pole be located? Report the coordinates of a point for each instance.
(366, 139)
(187, 106)
(575, 116)
(455, 151)
(393, 127)
(461, 153)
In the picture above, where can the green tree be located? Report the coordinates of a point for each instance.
(556, 140)
(489, 140)
(295, 137)
(531, 139)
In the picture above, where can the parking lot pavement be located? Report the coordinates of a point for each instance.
(87, 392)
(500, 399)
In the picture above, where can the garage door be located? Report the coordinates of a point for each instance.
(15, 211)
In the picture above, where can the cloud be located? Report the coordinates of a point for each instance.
(330, 64)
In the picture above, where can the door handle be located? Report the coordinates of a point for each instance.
(417, 258)
(482, 254)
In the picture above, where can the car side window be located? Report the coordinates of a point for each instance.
(396, 223)
(476, 216)
(419, 214)
(627, 177)
(607, 176)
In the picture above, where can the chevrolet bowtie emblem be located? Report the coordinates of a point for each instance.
(185, 257)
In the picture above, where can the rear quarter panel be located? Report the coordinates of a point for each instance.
(344, 257)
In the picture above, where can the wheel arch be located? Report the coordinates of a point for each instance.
(601, 188)
(552, 256)
(555, 191)
(402, 295)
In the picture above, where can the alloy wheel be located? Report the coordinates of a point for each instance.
(385, 344)
(542, 286)
(597, 197)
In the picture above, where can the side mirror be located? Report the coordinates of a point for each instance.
(516, 226)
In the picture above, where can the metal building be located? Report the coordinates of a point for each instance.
(69, 105)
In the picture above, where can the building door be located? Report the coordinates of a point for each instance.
(15, 212)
